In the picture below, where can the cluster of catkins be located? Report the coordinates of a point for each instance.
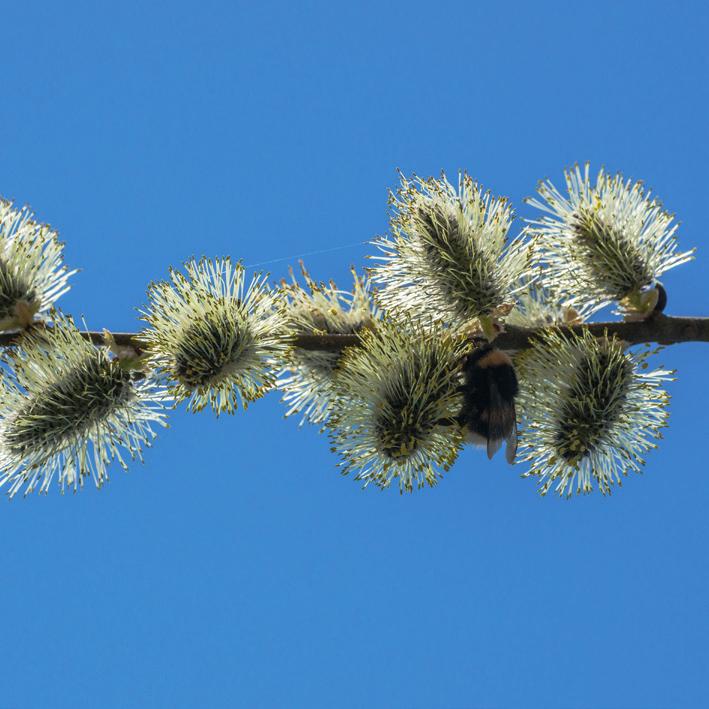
(447, 278)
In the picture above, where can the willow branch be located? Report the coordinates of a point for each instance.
(662, 329)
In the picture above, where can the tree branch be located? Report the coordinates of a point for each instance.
(663, 329)
(659, 328)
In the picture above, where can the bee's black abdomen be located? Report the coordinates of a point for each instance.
(488, 411)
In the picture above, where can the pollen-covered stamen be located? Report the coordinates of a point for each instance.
(13, 289)
(593, 404)
(402, 422)
(604, 247)
(320, 309)
(208, 349)
(446, 248)
(448, 257)
(397, 396)
(590, 411)
(69, 407)
(219, 341)
(32, 274)
(539, 307)
(604, 242)
(440, 233)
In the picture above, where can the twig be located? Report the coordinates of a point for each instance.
(662, 329)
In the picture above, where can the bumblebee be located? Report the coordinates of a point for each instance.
(488, 413)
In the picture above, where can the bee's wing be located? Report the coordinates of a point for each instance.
(511, 449)
(493, 445)
(502, 424)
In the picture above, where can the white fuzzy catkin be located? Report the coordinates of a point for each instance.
(399, 395)
(68, 409)
(604, 242)
(448, 257)
(219, 342)
(590, 411)
(32, 271)
(322, 309)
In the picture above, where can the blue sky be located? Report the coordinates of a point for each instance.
(237, 567)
